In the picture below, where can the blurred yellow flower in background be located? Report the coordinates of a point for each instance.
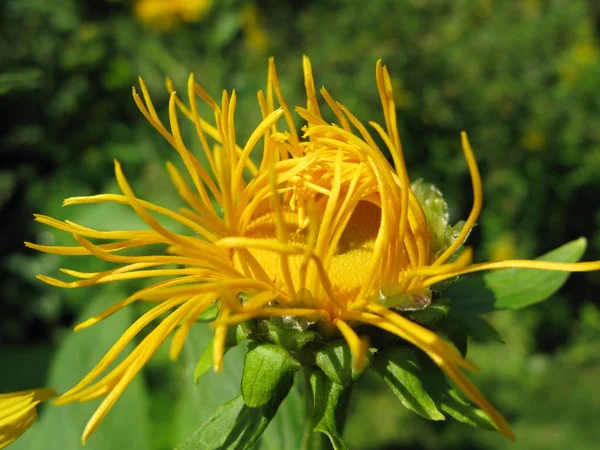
(166, 14)
(255, 33)
(504, 247)
(582, 55)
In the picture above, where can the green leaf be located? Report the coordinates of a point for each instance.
(286, 428)
(335, 360)
(197, 402)
(21, 80)
(235, 335)
(448, 399)
(401, 370)
(235, 425)
(477, 327)
(327, 396)
(514, 288)
(438, 310)
(210, 314)
(266, 369)
(214, 430)
(455, 333)
(127, 423)
(206, 361)
(288, 338)
(463, 411)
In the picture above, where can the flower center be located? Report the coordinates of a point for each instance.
(346, 267)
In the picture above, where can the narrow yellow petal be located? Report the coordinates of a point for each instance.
(477, 201)
(359, 347)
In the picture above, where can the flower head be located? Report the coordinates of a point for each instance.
(166, 14)
(17, 412)
(255, 33)
(321, 230)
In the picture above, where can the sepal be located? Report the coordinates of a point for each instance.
(401, 370)
(335, 360)
(235, 335)
(328, 401)
(267, 368)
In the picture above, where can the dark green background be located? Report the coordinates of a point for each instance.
(523, 78)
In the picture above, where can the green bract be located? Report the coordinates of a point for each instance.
(437, 215)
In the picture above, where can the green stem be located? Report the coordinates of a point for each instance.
(312, 440)
(341, 415)
(307, 433)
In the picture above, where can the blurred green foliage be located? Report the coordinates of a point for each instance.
(521, 77)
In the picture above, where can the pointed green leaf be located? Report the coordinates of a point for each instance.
(448, 399)
(196, 402)
(455, 333)
(438, 310)
(287, 427)
(514, 288)
(335, 360)
(210, 314)
(266, 368)
(215, 430)
(288, 338)
(206, 360)
(454, 405)
(477, 327)
(235, 425)
(401, 370)
(235, 335)
(327, 396)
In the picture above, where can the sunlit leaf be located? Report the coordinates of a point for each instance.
(327, 396)
(514, 288)
(198, 401)
(266, 368)
(235, 425)
(287, 427)
(401, 370)
(335, 360)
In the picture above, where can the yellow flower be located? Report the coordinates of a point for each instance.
(504, 247)
(323, 229)
(255, 33)
(165, 14)
(17, 412)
